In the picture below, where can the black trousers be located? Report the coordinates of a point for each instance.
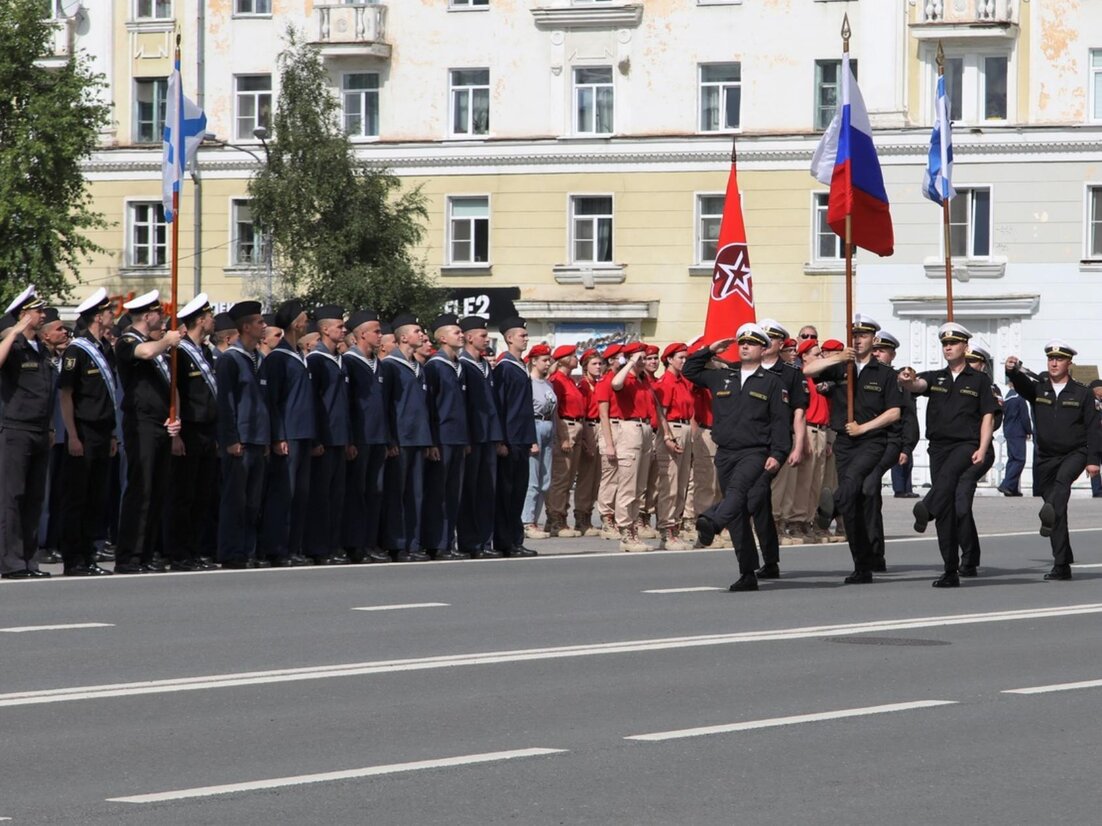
(857, 460)
(475, 527)
(24, 455)
(950, 498)
(512, 487)
(194, 479)
(242, 492)
(363, 499)
(52, 540)
(327, 475)
(969, 535)
(443, 489)
(745, 483)
(286, 502)
(1052, 480)
(404, 486)
(874, 486)
(765, 526)
(86, 486)
(148, 451)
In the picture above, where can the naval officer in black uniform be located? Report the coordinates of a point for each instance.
(1067, 440)
(27, 391)
(513, 386)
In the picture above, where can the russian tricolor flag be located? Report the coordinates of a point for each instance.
(845, 159)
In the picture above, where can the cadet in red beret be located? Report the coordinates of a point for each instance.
(674, 450)
(567, 450)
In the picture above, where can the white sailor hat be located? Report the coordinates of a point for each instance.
(148, 302)
(197, 306)
(1058, 348)
(950, 331)
(751, 333)
(95, 303)
(978, 348)
(773, 328)
(26, 300)
(865, 323)
(885, 339)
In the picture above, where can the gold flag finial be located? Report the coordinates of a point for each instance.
(846, 31)
(940, 59)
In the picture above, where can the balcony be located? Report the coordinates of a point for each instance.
(61, 43)
(965, 19)
(351, 31)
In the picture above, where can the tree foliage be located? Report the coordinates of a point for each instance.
(342, 231)
(50, 120)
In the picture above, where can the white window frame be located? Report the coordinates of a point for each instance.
(469, 91)
(468, 5)
(1094, 76)
(363, 94)
(153, 4)
(698, 226)
(819, 203)
(968, 192)
(973, 85)
(450, 240)
(130, 245)
(238, 12)
(1089, 219)
(575, 92)
(236, 260)
(256, 95)
(572, 201)
(724, 87)
(817, 84)
(158, 113)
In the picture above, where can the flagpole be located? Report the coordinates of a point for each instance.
(851, 370)
(175, 252)
(945, 216)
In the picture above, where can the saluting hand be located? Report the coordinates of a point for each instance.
(1012, 363)
(907, 375)
(721, 345)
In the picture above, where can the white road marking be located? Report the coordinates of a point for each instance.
(233, 680)
(1048, 689)
(1087, 564)
(789, 721)
(684, 590)
(399, 607)
(22, 629)
(325, 777)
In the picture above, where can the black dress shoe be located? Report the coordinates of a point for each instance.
(96, 570)
(236, 564)
(49, 557)
(922, 516)
(449, 556)
(24, 574)
(824, 513)
(520, 552)
(879, 565)
(770, 570)
(207, 564)
(488, 553)
(1059, 573)
(378, 557)
(186, 565)
(746, 582)
(129, 568)
(1047, 516)
(298, 560)
(78, 570)
(262, 563)
(279, 562)
(37, 574)
(409, 556)
(968, 571)
(949, 579)
(858, 578)
(157, 566)
(339, 558)
(705, 530)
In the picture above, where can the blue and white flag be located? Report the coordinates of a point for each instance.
(185, 125)
(937, 184)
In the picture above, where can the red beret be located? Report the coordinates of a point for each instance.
(676, 347)
(563, 350)
(591, 353)
(788, 342)
(833, 345)
(613, 350)
(633, 348)
(652, 350)
(806, 345)
(537, 351)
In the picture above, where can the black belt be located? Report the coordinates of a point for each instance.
(544, 418)
(592, 421)
(635, 419)
(679, 421)
(817, 426)
(704, 426)
(573, 421)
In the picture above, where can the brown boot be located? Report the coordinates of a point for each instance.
(608, 528)
(669, 540)
(643, 529)
(630, 542)
(583, 522)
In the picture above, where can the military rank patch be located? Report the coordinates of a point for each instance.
(968, 391)
(1069, 403)
(722, 393)
(936, 389)
(762, 396)
(873, 388)
(1043, 400)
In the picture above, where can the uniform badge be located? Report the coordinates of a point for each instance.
(70, 363)
(784, 396)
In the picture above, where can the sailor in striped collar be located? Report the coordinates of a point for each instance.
(514, 398)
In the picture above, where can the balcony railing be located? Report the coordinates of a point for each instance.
(968, 12)
(351, 30)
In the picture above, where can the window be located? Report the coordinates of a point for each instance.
(361, 104)
(954, 87)
(254, 104)
(246, 244)
(828, 87)
(978, 86)
(468, 4)
(709, 210)
(469, 230)
(49, 10)
(970, 223)
(828, 244)
(146, 241)
(720, 96)
(153, 9)
(470, 98)
(994, 87)
(592, 229)
(593, 98)
(253, 7)
(1094, 90)
(1094, 222)
(150, 95)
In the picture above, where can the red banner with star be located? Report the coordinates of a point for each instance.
(731, 299)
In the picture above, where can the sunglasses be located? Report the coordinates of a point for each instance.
(808, 335)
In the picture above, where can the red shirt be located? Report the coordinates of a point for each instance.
(652, 386)
(818, 408)
(589, 389)
(572, 401)
(703, 407)
(675, 392)
(603, 393)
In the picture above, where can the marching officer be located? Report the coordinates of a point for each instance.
(960, 422)
(902, 439)
(1066, 430)
(978, 358)
(674, 455)
(148, 436)
(244, 437)
(859, 443)
(27, 391)
(567, 450)
(475, 527)
(514, 399)
(752, 431)
(331, 442)
(363, 500)
(88, 391)
(451, 438)
(195, 470)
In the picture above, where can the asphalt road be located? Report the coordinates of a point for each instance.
(561, 689)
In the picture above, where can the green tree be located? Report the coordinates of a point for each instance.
(50, 120)
(342, 231)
